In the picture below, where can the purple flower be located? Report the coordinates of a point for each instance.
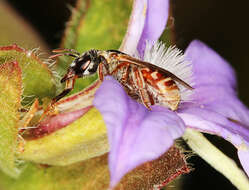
(137, 135)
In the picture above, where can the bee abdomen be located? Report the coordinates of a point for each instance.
(163, 88)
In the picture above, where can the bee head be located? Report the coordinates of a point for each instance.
(83, 65)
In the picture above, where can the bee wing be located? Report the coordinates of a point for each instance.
(140, 63)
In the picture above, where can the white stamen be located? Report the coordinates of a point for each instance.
(173, 60)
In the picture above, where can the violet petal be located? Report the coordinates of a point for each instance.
(156, 19)
(215, 83)
(211, 122)
(136, 135)
(135, 27)
(243, 153)
(215, 123)
(216, 108)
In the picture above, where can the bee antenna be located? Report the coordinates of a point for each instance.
(60, 54)
(60, 50)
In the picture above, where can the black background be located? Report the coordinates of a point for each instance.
(222, 24)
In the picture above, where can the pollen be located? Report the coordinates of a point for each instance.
(173, 60)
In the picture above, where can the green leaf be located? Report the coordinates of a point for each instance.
(38, 79)
(104, 25)
(95, 25)
(10, 102)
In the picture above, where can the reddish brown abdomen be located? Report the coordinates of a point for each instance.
(165, 89)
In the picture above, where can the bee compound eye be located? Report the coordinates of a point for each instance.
(85, 65)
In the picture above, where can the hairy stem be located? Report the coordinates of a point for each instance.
(216, 158)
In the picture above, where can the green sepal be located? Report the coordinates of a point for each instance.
(91, 174)
(10, 102)
(83, 139)
(38, 79)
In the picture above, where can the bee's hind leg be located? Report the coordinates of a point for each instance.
(139, 82)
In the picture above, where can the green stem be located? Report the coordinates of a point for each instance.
(216, 158)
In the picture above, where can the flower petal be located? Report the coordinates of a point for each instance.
(156, 19)
(208, 66)
(215, 83)
(135, 134)
(135, 27)
(243, 153)
(214, 123)
(216, 108)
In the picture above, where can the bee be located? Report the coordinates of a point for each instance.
(143, 81)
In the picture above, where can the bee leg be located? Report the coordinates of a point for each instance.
(102, 68)
(29, 115)
(145, 98)
(50, 110)
(125, 73)
(141, 86)
(101, 74)
(68, 87)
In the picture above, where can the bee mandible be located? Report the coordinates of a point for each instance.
(143, 81)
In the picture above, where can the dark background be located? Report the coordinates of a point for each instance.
(222, 24)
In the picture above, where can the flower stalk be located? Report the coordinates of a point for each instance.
(217, 159)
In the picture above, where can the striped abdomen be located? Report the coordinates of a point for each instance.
(162, 88)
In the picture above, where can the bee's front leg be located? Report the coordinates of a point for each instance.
(68, 87)
(100, 72)
(50, 110)
(140, 84)
(102, 68)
